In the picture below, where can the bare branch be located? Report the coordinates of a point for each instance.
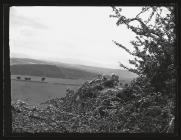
(130, 69)
(123, 47)
(144, 9)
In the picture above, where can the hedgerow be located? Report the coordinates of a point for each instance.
(111, 110)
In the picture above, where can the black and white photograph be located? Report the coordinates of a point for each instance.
(92, 69)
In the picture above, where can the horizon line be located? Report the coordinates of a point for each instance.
(66, 63)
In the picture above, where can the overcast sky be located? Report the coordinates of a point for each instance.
(79, 35)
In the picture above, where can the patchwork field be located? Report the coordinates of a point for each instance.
(35, 91)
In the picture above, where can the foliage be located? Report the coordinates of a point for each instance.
(111, 110)
(154, 46)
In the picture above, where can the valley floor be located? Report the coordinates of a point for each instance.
(35, 91)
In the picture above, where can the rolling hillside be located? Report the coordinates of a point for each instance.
(123, 74)
(15, 61)
(26, 66)
(50, 71)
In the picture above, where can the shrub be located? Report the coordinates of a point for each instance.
(135, 109)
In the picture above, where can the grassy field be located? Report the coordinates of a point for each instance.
(35, 91)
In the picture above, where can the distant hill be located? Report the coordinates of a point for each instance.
(63, 70)
(123, 74)
(50, 71)
(15, 61)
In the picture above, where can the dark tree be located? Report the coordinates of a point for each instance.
(43, 79)
(18, 77)
(154, 45)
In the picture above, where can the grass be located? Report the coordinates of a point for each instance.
(35, 91)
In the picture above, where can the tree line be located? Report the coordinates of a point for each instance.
(29, 78)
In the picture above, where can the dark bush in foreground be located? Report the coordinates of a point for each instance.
(92, 109)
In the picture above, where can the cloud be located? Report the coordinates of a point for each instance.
(17, 19)
(69, 34)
